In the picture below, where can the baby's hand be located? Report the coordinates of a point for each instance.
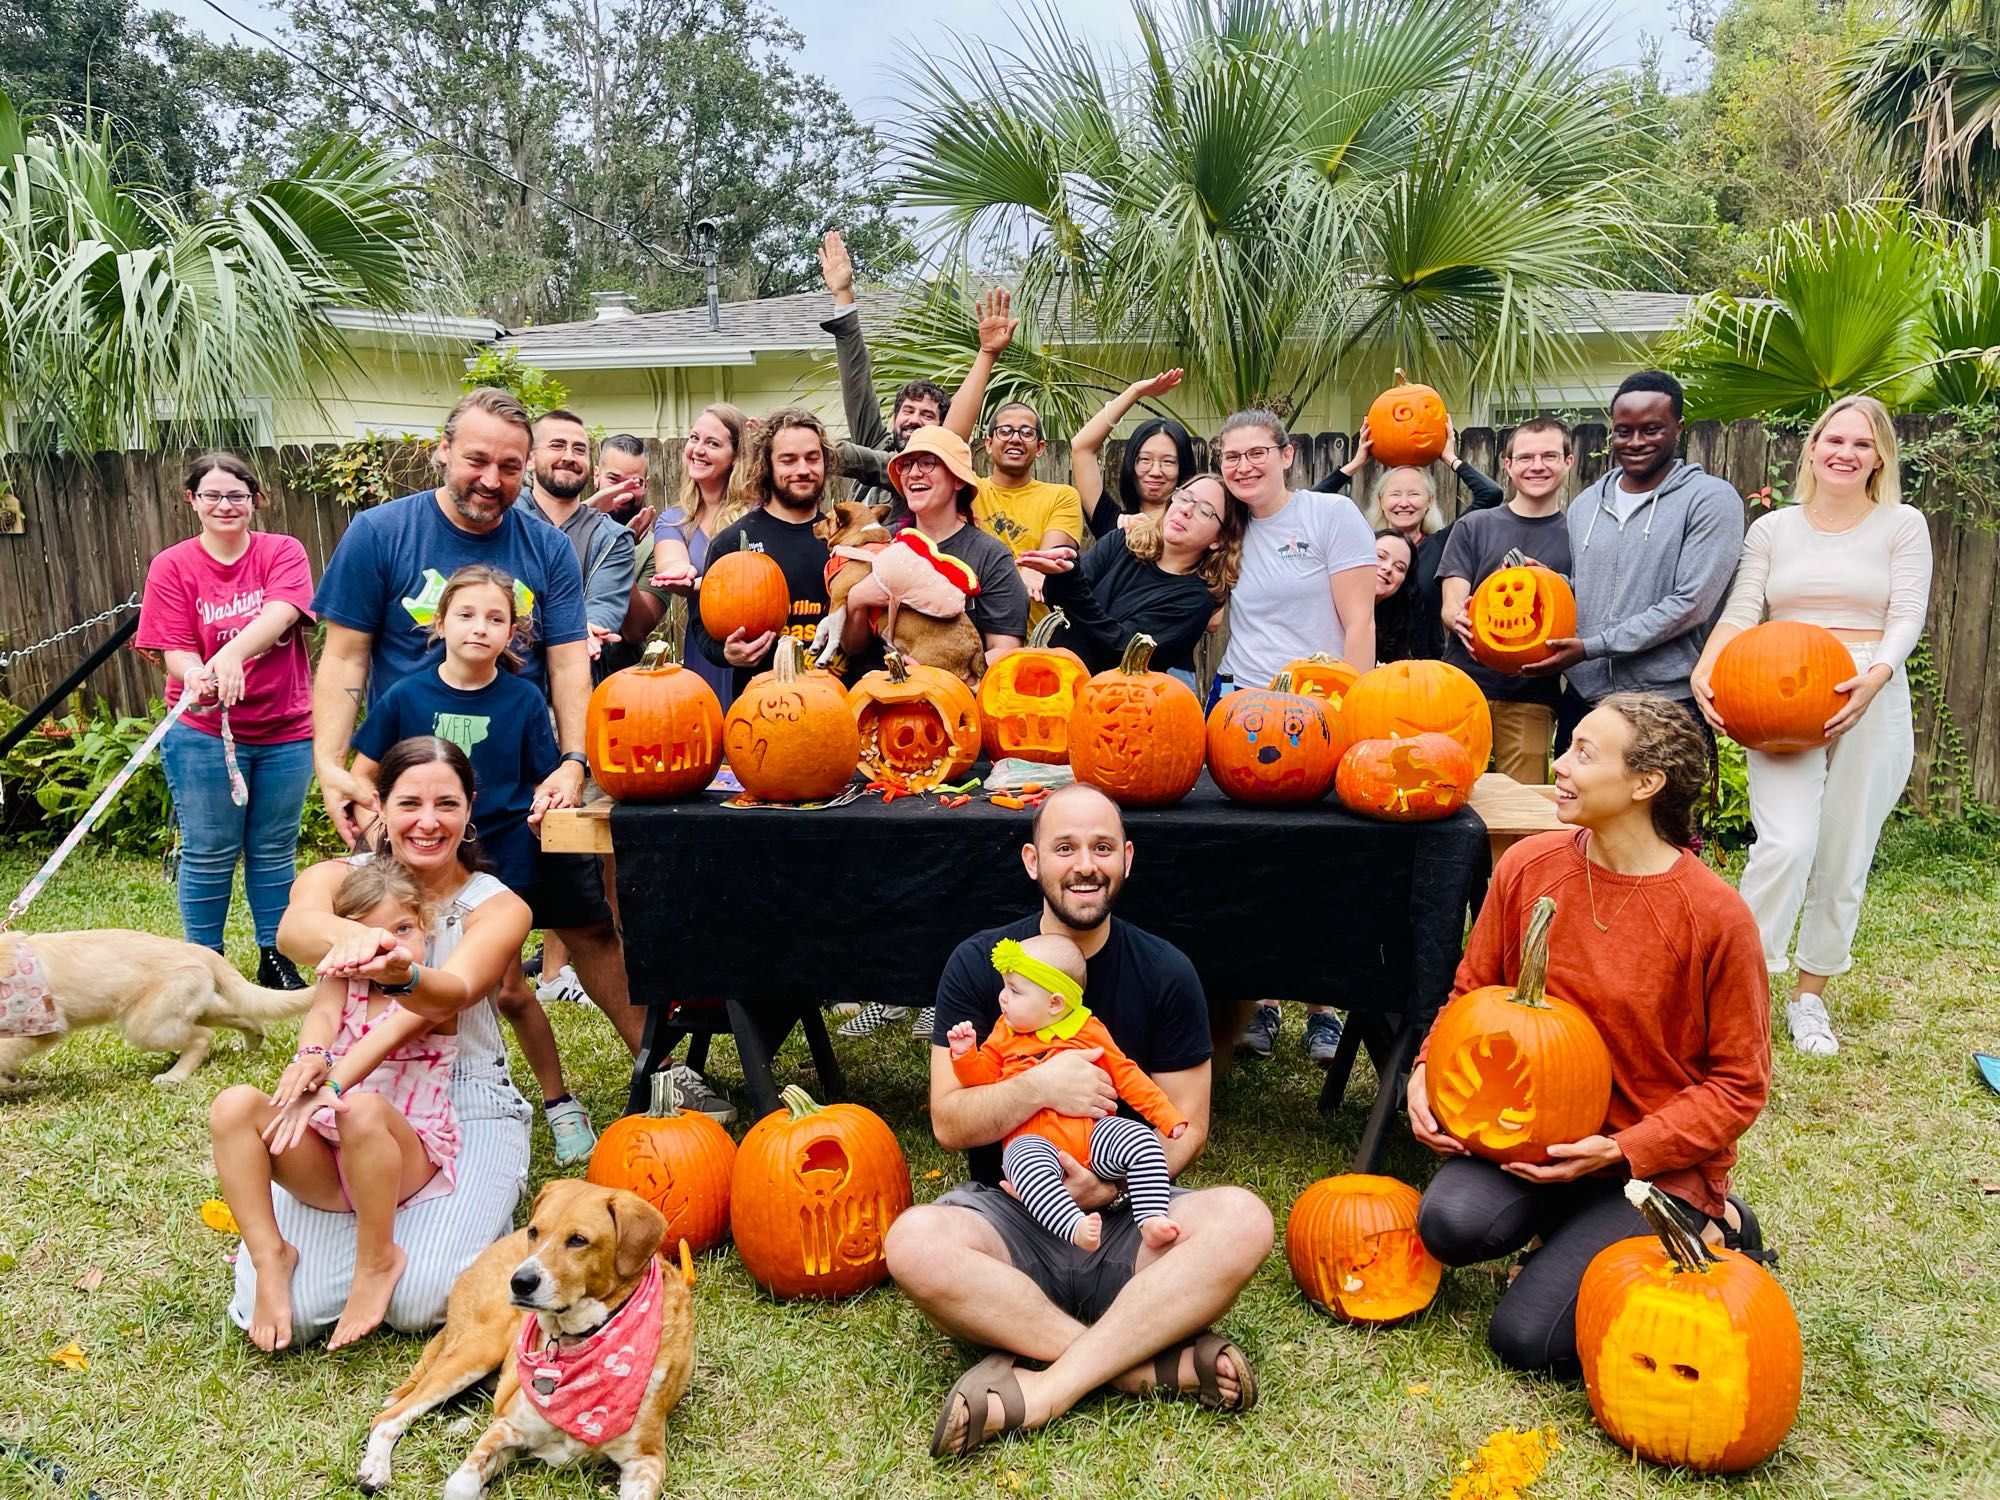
(961, 1038)
(1178, 1131)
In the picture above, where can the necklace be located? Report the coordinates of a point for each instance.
(1590, 886)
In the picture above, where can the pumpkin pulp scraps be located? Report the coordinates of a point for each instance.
(1506, 1464)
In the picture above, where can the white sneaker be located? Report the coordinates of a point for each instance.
(1812, 1028)
(564, 989)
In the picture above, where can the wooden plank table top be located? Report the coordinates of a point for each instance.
(1509, 810)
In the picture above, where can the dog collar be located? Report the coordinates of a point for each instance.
(27, 1008)
(591, 1388)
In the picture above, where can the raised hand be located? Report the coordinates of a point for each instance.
(1160, 384)
(837, 267)
(997, 325)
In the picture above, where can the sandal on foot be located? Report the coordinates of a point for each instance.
(1208, 1351)
(992, 1376)
(1750, 1238)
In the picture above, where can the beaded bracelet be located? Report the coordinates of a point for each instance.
(320, 1052)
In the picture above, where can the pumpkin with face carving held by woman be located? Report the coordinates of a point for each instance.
(1137, 734)
(919, 725)
(790, 735)
(1272, 745)
(1027, 696)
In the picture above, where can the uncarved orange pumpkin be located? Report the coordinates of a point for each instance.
(744, 591)
(1137, 734)
(1774, 685)
(790, 734)
(919, 725)
(1691, 1354)
(1322, 676)
(1513, 1070)
(813, 1195)
(1406, 424)
(1406, 781)
(1269, 745)
(1353, 1248)
(654, 732)
(678, 1161)
(1406, 698)
(1027, 697)
(1516, 611)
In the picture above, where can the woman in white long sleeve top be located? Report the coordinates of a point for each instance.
(1852, 557)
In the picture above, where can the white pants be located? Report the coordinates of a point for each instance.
(1818, 814)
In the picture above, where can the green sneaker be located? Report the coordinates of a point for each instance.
(576, 1137)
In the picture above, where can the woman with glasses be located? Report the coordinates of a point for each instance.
(227, 610)
(1164, 575)
(1158, 458)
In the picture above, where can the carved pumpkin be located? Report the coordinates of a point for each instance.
(1513, 1070)
(1137, 734)
(790, 734)
(1407, 698)
(1026, 697)
(654, 732)
(1774, 685)
(679, 1162)
(1322, 676)
(813, 1195)
(1353, 1248)
(1406, 424)
(1691, 1353)
(1272, 745)
(919, 725)
(1406, 781)
(1516, 611)
(744, 591)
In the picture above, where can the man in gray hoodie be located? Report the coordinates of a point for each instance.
(1655, 543)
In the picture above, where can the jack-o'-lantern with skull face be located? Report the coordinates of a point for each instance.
(1516, 611)
(919, 725)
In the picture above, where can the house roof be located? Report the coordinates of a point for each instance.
(791, 323)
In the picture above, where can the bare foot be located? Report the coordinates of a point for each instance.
(1157, 1234)
(368, 1299)
(1089, 1232)
(271, 1315)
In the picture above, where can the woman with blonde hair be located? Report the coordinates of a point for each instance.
(712, 486)
(1852, 557)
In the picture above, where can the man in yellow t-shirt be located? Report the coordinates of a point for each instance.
(1026, 513)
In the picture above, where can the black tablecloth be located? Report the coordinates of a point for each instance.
(865, 902)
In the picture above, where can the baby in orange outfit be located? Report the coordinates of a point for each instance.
(1042, 1013)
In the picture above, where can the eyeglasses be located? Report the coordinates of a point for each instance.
(921, 463)
(213, 498)
(1030, 434)
(1185, 501)
(1152, 465)
(1236, 458)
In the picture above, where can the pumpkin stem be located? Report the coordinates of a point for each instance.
(785, 663)
(1401, 378)
(1138, 655)
(666, 1102)
(665, 645)
(1282, 683)
(798, 1101)
(1046, 628)
(1534, 980)
(1688, 1250)
(892, 659)
(1515, 558)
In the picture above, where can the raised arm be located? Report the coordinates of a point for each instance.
(865, 427)
(997, 327)
(1086, 473)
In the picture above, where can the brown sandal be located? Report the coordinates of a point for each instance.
(1209, 1348)
(992, 1376)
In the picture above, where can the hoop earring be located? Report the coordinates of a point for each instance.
(471, 834)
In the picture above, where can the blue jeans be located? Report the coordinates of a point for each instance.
(215, 831)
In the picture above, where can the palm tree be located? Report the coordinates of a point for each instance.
(1927, 93)
(125, 321)
(1884, 300)
(1268, 189)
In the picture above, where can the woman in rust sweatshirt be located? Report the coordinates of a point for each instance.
(1666, 959)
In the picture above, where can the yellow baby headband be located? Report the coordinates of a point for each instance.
(1009, 957)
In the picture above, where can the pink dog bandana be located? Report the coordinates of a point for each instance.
(591, 1389)
(26, 1006)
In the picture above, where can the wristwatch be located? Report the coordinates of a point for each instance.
(406, 986)
(575, 757)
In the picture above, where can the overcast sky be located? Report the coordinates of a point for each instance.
(855, 43)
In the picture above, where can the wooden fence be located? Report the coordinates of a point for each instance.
(92, 525)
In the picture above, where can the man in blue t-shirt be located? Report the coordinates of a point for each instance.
(980, 1268)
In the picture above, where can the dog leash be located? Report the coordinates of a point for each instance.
(239, 793)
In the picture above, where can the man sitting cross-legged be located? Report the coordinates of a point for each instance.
(977, 1264)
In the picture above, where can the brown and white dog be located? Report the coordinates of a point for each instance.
(163, 994)
(583, 1270)
(855, 534)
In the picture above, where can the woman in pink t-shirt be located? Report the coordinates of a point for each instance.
(227, 610)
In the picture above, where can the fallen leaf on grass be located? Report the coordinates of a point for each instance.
(933, 1175)
(1421, 1388)
(1988, 1186)
(90, 1280)
(70, 1357)
(216, 1215)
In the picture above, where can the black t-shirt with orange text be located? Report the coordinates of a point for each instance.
(795, 549)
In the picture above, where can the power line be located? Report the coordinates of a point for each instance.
(407, 119)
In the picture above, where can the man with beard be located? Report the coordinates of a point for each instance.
(560, 469)
(378, 599)
(790, 463)
(980, 1268)
(921, 403)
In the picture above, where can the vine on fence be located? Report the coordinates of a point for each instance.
(1959, 462)
(1950, 767)
(367, 471)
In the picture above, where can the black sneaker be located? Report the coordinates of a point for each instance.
(1322, 1037)
(275, 971)
(1261, 1035)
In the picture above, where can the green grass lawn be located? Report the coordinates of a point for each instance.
(1871, 1172)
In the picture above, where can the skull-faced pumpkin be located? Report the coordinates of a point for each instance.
(919, 725)
(1516, 612)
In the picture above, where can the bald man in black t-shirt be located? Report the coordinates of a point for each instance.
(981, 1269)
